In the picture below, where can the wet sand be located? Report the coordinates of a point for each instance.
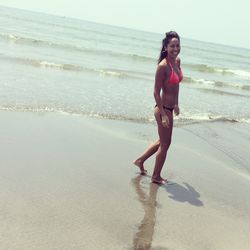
(68, 182)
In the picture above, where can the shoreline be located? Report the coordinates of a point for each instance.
(73, 176)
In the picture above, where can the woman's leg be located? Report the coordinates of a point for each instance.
(148, 152)
(165, 135)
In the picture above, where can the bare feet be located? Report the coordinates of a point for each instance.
(139, 164)
(159, 181)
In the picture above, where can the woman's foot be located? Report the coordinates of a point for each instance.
(139, 164)
(159, 181)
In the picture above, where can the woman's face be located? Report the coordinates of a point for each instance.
(173, 48)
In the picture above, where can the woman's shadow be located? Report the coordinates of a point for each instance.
(144, 235)
(184, 193)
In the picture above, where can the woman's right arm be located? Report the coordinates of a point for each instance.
(159, 80)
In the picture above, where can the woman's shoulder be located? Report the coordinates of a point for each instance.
(163, 63)
(162, 68)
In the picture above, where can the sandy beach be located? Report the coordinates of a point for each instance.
(68, 182)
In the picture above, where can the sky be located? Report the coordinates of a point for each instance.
(218, 21)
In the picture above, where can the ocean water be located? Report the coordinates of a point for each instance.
(59, 64)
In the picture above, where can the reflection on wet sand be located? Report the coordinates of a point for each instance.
(144, 236)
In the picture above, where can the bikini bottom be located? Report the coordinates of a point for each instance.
(166, 108)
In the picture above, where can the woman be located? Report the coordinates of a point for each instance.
(166, 90)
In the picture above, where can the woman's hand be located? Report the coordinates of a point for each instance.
(165, 120)
(176, 110)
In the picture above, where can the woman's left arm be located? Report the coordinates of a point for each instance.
(176, 106)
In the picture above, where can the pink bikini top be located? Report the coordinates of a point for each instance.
(174, 78)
